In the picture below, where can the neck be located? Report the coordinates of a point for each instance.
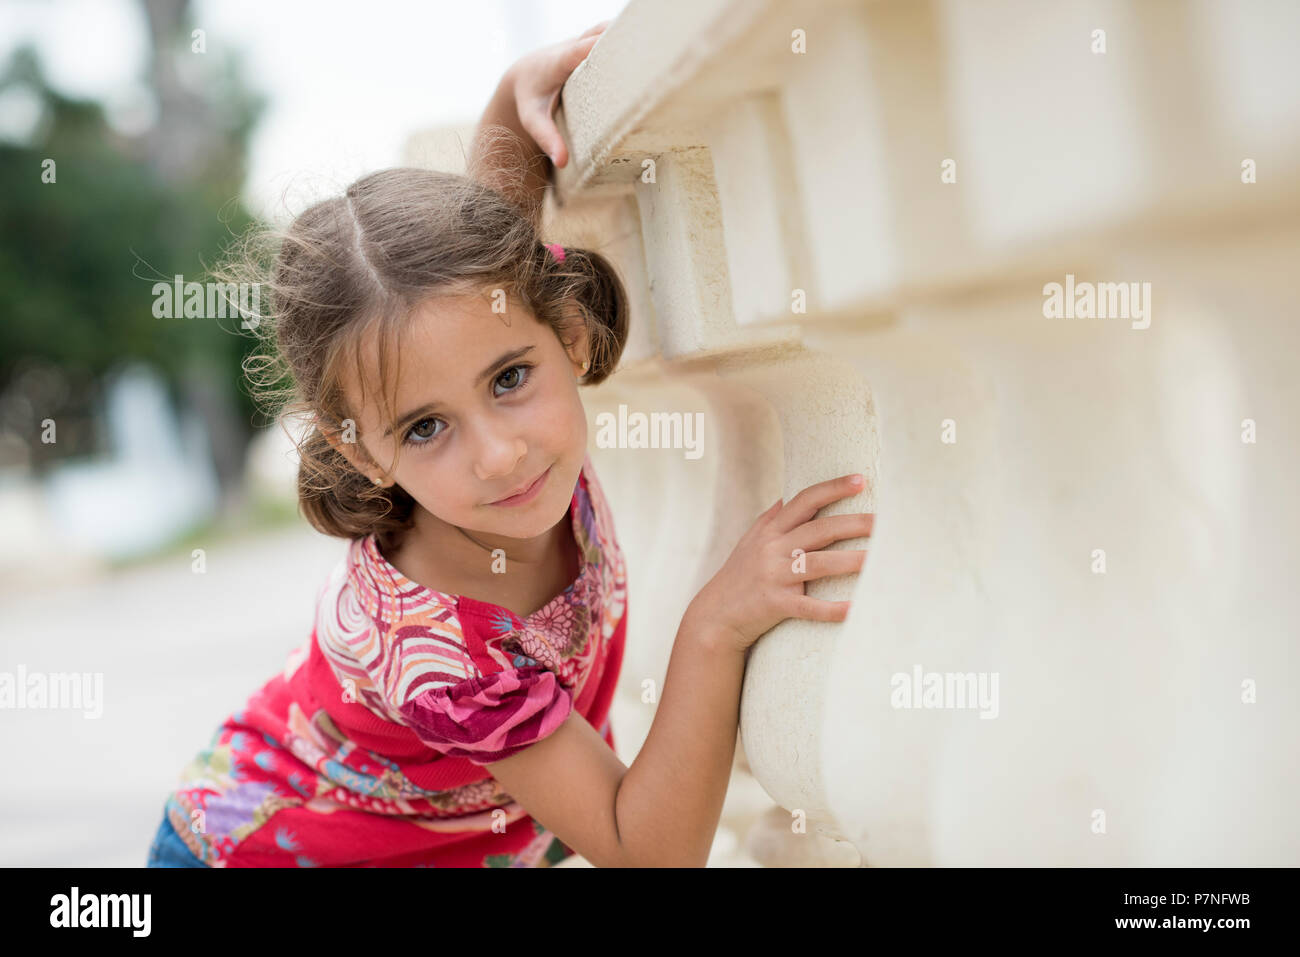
(452, 559)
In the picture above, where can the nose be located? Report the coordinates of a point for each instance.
(499, 453)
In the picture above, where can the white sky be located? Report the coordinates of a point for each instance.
(347, 81)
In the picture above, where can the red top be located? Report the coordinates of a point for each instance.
(368, 749)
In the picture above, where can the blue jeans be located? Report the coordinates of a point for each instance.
(168, 850)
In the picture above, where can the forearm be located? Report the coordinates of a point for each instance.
(512, 165)
(668, 804)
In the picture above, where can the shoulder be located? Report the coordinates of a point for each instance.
(490, 718)
(392, 637)
(594, 507)
(598, 517)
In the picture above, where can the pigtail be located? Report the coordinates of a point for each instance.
(592, 280)
(340, 501)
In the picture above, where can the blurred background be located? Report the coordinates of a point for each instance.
(128, 444)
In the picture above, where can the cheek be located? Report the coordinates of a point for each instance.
(566, 414)
(556, 399)
(449, 493)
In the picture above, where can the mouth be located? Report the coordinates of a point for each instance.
(527, 493)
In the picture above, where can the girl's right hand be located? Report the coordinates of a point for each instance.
(762, 582)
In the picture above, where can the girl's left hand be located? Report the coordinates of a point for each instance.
(537, 81)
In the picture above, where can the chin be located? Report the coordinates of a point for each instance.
(543, 512)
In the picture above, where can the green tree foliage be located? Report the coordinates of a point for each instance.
(79, 256)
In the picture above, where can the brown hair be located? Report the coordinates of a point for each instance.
(366, 259)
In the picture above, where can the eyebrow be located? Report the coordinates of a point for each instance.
(482, 376)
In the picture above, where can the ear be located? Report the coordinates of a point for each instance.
(581, 356)
(575, 339)
(344, 441)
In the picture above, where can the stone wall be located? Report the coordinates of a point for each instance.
(840, 223)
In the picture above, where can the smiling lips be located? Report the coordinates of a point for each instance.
(527, 494)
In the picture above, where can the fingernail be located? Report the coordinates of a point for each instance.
(856, 479)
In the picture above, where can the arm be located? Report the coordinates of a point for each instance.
(504, 156)
(510, 148)
(664, 810)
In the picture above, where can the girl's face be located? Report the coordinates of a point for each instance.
(485, 403)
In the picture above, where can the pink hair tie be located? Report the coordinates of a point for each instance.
(556, 250)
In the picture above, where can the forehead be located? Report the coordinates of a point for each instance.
(437, 353)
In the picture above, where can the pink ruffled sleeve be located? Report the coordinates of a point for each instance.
(492, 717)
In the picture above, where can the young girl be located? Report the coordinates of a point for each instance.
(451, 706)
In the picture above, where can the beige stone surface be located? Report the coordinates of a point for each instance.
(805, 274)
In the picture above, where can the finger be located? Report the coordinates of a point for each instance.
(598, 28)
(543, 129)
(539, 123)
(826, 563)
(818, 609)
(811, 500)
(569, 55)
(581, 48)
(821, 532)
(556, 63)
(547, 136)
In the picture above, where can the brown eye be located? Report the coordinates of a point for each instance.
(521, 376)
(422, 432)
